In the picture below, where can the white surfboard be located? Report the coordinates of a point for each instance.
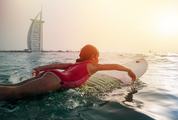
(138, 66)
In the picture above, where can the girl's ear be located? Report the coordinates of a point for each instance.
(92, 56)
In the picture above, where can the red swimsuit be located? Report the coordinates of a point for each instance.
(74, 76)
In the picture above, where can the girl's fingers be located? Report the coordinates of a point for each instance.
(34, 73)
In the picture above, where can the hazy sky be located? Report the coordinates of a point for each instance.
(111, 25)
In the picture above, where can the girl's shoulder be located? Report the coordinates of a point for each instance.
(92, 68)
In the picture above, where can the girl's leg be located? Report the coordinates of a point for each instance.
(34, 86)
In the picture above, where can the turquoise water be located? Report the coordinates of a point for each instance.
(156, 98)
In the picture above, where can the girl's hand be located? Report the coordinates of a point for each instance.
(132, 75)
(35, 73)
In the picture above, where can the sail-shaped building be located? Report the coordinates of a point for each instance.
(35, 34)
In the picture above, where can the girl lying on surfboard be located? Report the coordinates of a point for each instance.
(48, 78)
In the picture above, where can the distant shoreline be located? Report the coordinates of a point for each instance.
(37, 51)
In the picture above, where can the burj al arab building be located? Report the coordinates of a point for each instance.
(35, 34)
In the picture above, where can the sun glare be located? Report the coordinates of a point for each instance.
(167, 23)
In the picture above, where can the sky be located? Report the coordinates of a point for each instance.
(110, 25)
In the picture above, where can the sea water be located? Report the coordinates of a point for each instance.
(157, 96)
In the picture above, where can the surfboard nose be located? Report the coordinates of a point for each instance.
(141, 60)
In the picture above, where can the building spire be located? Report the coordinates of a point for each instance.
(35, 34)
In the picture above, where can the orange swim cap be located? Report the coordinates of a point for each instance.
(86, 52)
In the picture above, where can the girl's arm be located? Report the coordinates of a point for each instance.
(61, 66)
(99, 67)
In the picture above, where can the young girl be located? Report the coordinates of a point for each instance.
(48, 78)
